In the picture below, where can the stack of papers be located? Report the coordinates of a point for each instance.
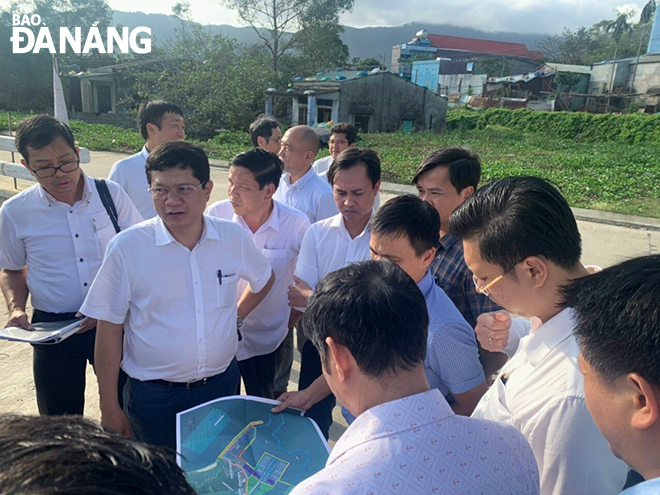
(43, 333)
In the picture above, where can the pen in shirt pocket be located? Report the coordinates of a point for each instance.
(220, 277)
(96, 230)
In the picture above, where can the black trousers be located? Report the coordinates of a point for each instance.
(258, 373)
(59, 370)
(310, 370)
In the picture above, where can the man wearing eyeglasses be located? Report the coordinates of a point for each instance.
(171, 282)
(52, 239)
(522, 244)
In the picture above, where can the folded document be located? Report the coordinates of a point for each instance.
(43, 333)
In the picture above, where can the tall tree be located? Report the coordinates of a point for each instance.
(618, 27)
(282, 24)
(647, 14)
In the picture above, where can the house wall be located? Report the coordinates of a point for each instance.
(449, 83)
(601, 73)
(388, 100)
(648, 75)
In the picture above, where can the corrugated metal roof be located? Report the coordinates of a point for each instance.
(576, 69)
(479, 46)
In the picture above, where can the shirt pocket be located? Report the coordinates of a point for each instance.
(103, 231)
(277, 258)
(227, 287)
(499, 411)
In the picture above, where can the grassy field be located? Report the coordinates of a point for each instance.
(610, 176)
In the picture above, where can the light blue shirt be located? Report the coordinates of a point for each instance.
(452, 356)
(650, 487)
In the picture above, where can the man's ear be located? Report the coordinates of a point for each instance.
(428, 256)
(376, 188)
(340, 361)
(270, 190)
(261, 142)
(645, 402)
(467, 192)
(208, 187)
(535, 269)
(352, 145)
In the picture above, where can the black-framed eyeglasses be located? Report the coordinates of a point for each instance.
(183, 192)
(45, 172)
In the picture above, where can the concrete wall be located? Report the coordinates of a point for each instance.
(448, 83)
(389, 100)
(601, 73)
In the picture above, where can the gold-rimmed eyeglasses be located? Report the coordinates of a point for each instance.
(182, 192)
(485, 289)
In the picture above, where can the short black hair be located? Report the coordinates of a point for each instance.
(517, 217)
(49, 455)
(345, 128)
(262, 127)
(410, 217)
(354, 156)
(264, 165)
(464, 167)
(376, 311)
(179, 154)
(618, 318)
(152, 113)
(39, 131)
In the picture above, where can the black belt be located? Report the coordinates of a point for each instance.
(188, 385)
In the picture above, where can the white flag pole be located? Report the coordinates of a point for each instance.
(58, 96)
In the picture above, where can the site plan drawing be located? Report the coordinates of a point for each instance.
(236, 446)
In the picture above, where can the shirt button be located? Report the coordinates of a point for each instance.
(70, 211)
(85, 284)
(77, 236)
(81, 260)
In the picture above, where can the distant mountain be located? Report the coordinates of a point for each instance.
(366, 42)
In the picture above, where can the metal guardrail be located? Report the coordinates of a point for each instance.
(7, 144)
(16, 171)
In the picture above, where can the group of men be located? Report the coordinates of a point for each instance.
(405, 309)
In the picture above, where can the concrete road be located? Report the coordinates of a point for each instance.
(603, 245)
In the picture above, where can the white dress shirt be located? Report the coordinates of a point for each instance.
(178, 306)
(327, 246)
(310, 194)
(61, 245)
(322, 165)
(417, 445)
(540, 392)
(130, 173)
(279, 240)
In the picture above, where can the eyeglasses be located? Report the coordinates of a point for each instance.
(45, 172)
(182, 192)
(485, 289)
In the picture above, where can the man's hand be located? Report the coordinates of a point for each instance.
(493, 330)
(298, 293)
(86, 324)
(114, 419)
(297, 400)
(19, 318)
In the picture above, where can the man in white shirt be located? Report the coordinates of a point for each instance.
(305, 191)
(277, 231)
(522, 244)
(300, 187)
(171, 283)
(618, 328)
(52, 239)
(369, 324)
(265, 134)
(159, 122)
(342, 137)
(332, 244)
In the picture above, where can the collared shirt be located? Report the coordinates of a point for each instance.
(279, 240)
(327, 246)
(650, 487)
(452, 274)
(310, 194)
(417, 445)
(322, 165)
(178, 306)
(131, 175)
(452, 358)
(540, 392)
(62, 245)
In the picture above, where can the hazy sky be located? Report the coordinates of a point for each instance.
(527, 16)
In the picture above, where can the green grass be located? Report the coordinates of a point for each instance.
(610, 176)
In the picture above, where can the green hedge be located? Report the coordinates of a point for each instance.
(633, 129)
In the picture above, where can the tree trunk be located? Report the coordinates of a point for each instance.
(639, 50)
(616, 49)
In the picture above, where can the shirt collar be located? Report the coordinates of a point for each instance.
(145, 152)
(163, 236)
(546, 337)
(300, 182)
(338, 223)
(88, 191)
(426, 284)
(390, 418)
(273, 221)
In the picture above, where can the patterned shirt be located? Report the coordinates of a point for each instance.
(452, 357)
(452, 274)
(418, 445)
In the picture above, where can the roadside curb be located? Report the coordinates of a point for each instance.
(582, 214)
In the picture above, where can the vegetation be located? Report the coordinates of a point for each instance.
(619, 174)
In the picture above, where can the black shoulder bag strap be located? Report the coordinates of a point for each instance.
(108, 203)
